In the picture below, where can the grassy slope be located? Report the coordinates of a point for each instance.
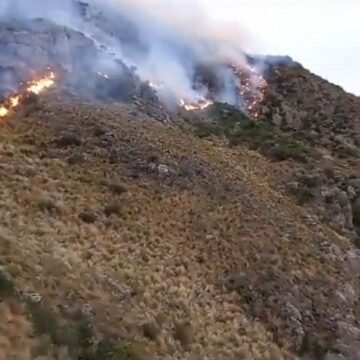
(163, 254)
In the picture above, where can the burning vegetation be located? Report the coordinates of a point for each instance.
(36, 87)
(250, 87)
(159, 75)
(249, 84)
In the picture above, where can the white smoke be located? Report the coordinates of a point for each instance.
(164, 39)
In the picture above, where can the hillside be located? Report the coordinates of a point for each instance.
(126, 238)
(141, 217)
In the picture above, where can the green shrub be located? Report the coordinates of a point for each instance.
(78, 337)
(206, 130)
(258, 135)
(45, 322)
(107, 350)
(6, 284)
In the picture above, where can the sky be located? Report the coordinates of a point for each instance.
(323, 35)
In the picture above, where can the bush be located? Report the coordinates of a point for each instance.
(6, 283)
(205, 130)
(45, 322)
(78, 337)
(107, 350)
(258, 135)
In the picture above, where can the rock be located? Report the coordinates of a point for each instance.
(34, 298)
(294, 320)
(342, 198)
(348, 340)
(314, 179)
(355, 183)
(331, 193)
(163, 169)
(351, 192)
(332, 250)
(107, 140)
(345, 297)
(353, 261)
(340, 216)
(292, 186)
(334, 356)
(348, 330)
(277, 119)
(313, 135)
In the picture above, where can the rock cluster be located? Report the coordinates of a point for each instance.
(335, 195)
(312, 108)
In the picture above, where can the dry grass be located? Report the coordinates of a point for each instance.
(161, 254)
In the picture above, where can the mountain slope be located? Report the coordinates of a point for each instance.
(178, 245)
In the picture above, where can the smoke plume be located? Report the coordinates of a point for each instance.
(164, 42)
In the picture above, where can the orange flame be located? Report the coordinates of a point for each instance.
(3, 111)
(34, 87)
(14, 101)
(200, 105)
(252, 88)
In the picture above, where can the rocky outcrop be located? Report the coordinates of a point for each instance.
(312, 108)
(311, 316)
(334, 195)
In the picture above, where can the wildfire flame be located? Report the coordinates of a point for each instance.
(191, 106)
(156, 85)
(252, 88)
(32, 87)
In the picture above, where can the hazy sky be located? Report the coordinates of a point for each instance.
(324, 35)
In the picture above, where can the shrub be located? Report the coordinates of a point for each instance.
(79, 337)
(6, 283)
(258, 135)
(44, 322)
(107, 350)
